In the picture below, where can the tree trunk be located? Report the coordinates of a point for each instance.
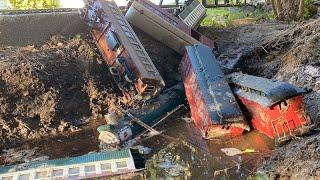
(274, 7)
(301, 9)
(288, 10)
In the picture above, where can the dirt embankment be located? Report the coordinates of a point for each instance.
(52, 88)
(294, 56)
(63, 84)
(289, 53)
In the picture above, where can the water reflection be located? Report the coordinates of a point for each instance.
(191, 157)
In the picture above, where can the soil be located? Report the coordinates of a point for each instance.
(63, 86)
(294, 56)
(52, 88)
(297, 160)
(287, 52)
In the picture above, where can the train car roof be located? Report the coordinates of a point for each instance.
(270, 91)
(92, 157)
(217, 93)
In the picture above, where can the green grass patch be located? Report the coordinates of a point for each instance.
(225, 16)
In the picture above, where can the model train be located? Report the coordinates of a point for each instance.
(164, 26)
(92, 165)
(275, 108)
(214, 108)
(128, 61)
(192, 13)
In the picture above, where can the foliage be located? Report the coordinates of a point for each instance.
(259, 176)
(34, 4)
(225, 16)
(309, 9)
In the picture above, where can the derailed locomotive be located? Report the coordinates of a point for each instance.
(214, 108)
(275, 108)
(128, 62)
(164, 26)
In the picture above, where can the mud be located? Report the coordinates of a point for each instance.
(49, 89)
(297, 160)
(293, 55)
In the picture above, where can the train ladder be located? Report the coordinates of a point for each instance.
(283, 124)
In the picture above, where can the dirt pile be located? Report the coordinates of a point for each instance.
(298, 160)
(292, 55)
(51, 88)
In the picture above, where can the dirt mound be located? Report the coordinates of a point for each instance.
(298, 160)
(51, 88)
(293, 55)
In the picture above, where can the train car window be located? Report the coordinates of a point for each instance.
(121, 164)
(74, 171)
(7, 178)
(41, 175)
(90, 169)
(106, 167)
(112, 40)
(24, 177)
(57, 173)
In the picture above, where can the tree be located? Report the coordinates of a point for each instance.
(288, 10)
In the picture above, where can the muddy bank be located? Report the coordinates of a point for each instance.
(287, 52)
(48, 89)
(61, 85)
(297, 160)
(293, 55)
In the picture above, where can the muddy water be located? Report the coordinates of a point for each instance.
(188, 156)
(180, 153)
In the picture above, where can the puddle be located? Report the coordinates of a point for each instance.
(177, 154)
(191, 157)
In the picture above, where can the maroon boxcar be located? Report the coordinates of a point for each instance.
(164, 26)
(275, 108)
(128, 62)
(214, 108)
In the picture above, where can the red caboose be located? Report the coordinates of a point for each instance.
(214, 108)
(276, 108)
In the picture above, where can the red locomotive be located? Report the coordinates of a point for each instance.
(214, 108)
(276, 108)
(164, 26)
(128, 62)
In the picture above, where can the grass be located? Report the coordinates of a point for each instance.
(226, 16)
